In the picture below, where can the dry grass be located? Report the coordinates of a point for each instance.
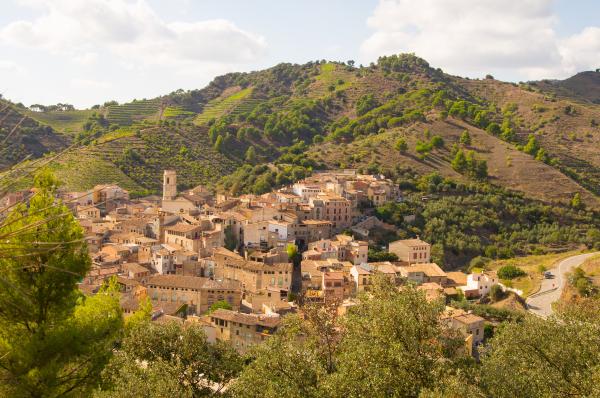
(592, 268)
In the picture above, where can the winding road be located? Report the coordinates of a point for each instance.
(541, 303)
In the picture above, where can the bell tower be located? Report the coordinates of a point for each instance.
(169, 185)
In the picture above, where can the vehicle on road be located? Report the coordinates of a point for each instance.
(548, 275)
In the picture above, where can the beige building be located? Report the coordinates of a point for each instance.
(424, 273)
(243, 330)
(197, 238)
(469, 325)
(195, 292)
(253, 276)
(412, 251)
(333, 208)
(87, 212)
(333, 286)
(342, 248)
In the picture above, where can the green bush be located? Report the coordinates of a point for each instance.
(510, 272)
(496, 293)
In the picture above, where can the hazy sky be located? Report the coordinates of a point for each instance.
(85, 52)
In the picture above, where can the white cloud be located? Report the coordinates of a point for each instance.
(133, 32)
(581, 51)
(11, 67)
(89, 84)
(475, 37)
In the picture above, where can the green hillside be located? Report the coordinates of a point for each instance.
(267, 128)
(68, 122)
(128, 113)
(22, 137)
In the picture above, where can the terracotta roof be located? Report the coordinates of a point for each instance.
(227, 253)
(459, 278)
(411, 242)
(461, 316)
(182, 227)
(134, 267)
(429, 269)
(333, 275)
(127, 281)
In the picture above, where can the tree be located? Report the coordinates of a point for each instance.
(541, 155)
(401, 145)
(391, 332)
(230, 240)
(391, 343)
(251, 155)
(496, 293)
(219, 143)
(53, 340)
(465, 138)
(437, 141)
(510, 272)
(176, 356)
(494, 128)
(377, 256)
(366, 103)
(220, 305)
(459, 163)
(576, 202)
(289, 364)
(557, 357)
(532, 146)
(292, 252)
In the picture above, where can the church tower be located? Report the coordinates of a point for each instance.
(169, 185)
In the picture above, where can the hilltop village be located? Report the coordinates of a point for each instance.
(236, 265)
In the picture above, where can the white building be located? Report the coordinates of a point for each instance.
(479, 285)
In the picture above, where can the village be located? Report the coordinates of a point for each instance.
(237, 265)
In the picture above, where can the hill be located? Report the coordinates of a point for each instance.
(584, 86)
(266, 128)
(22, 137)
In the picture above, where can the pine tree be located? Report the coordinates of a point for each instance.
(532, 146)
(53, 340)
(219, 143)
(465, 138)
(576, 201)
(401, 145)
(250, 155)
(459, 163)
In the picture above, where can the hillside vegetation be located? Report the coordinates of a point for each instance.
(267, 128)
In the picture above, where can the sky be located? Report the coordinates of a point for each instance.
(85, 52)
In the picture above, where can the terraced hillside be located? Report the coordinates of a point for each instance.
(66, 122)
(22, 137)
(144, 157)
(229, 101)
(540, 138)
(128, 113)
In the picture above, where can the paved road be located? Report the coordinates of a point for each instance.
(541, 302)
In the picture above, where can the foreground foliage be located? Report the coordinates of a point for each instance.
(53, 340)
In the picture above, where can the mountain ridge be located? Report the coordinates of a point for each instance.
(289, 115)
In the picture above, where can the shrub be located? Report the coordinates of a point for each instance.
(496, 293)
(510, 272)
